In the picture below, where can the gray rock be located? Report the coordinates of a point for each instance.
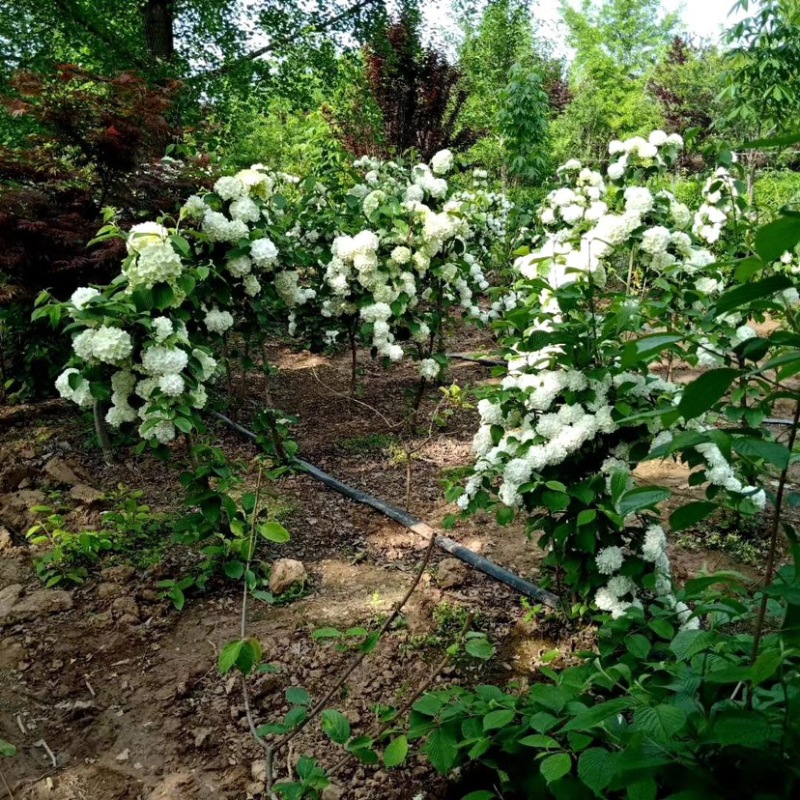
(85, 494)
(8, 598)
(58, 470)
(39, 604)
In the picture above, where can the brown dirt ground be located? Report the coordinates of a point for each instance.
(124, 690)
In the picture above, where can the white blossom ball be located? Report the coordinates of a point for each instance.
(162, 328)
(171, 384)
(230, 188)
(263, 252)
(145, 234)
(111, 345)
(429, 368)
(82, 344)
(217, 321)
(80, 297)
(442, 162)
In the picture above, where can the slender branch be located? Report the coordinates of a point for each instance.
(432, 675)
(773, 540)
(273, 749)
(279, 42)
(102, 433)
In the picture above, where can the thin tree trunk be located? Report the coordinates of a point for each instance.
(102, 432)
(158, 19)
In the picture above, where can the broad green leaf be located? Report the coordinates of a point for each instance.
(740, 296)
(596, 768)
(273, 531)
(396, 752)
(776, 237)
(538, 740)
(8, 749)
(594, 715)
(642, 497)
(498, 719)
(660, 722)
(229, 656)
(441, 748)
(297, 696)
(480, 647)
(644, 789)
(772, 452)
(481, 794)
(701, 394)
(690, 514)
(336, 725)
(555, 767)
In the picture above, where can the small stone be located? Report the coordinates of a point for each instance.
(200, 736)
(285, 573)
(39, 604)
(27, 453)
(8, 598)
(6, 542)
(451, 573)
(258, 771)
(125, 606)
(60, 472)
(106, 590)
(128, 619)
(332, 792)
(121, 573)
(85, 494)
(124, 756)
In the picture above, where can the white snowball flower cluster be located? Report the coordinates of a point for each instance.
(217, 321)
(81, 297)
(81, 396)
(659, 149)
(719, 197)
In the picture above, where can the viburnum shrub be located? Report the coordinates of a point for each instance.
(580, 406)
(395, 252)
(692, 691)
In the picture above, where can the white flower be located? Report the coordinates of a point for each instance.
(638, 199)
(162, 327)
(402, 255)
(655, 240)
(609, 560)
(208, 364)
(263, 252)
(429, 368)
(245, 209)
(657, 138)
(164, 360)
(111, 345)
(442, 162)
(82, 344)
(171, 384)
(155, 263)
(145, 234)
(217, 321)
(82, 396)
(230, 188)
(80, 297)
(252, 286)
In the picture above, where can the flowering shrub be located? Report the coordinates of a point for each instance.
(394, 252)
(579, 407)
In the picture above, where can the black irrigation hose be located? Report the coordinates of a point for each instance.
(484, 362)
(415, 524)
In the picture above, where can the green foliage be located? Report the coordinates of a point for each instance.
(522, 123)
(659, 712)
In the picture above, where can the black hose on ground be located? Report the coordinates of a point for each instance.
(414, 524)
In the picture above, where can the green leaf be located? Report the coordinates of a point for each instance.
(428, 705)
(229, 656)
(498, 719)
(480, 647)
(441, 747)
(776, 237)
(642, 497)
(326, 633)
(638, 646)
(740, 727)
(182, 424)
(297, 696)
(660, 722)
(233, 569)
(772, 452)
(644, 789)
(481, 794)
(594, 715)
(163, 296)
(336, 725)
(273, 531)
(766, 665)
(8, 749)
(396, 752)
(706, 390)
(740, 296)
(555, 767)
(690, 514)
(538, 740)
(648, 345)
(596, 768)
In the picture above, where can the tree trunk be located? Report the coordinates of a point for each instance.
(158, 17)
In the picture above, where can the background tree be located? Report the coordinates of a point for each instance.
(617, 45)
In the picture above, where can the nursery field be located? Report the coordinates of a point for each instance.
(399, 401)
